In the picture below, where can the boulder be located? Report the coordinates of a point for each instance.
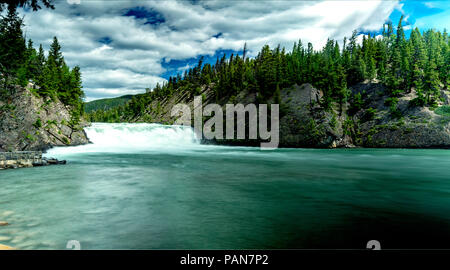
(52, 161)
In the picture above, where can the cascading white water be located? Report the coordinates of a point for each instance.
(140, 136)
(136, 137)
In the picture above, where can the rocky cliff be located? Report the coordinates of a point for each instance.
(376, 125)
(304, 123)
(29, 122)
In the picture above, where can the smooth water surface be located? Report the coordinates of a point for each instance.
(148, 186)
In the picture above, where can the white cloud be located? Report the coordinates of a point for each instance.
(74, 2)
(183, 68)
(429, 4)
(133, 59)
(407, 27)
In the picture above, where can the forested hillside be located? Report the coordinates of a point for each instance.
(41, 98)
(106, 103)
(21, 63)
(419, 64)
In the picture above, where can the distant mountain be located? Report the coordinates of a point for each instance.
(106, 103)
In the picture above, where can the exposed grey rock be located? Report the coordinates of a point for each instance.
(53, 161)
(445, 94)
(304, 123)
(13, 160)
(28, 122)
(417, 127)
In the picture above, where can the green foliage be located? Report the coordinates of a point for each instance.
(51, 123)
(333, 121)
(38, 123)
(356, 104)
(21, 64)
(12, 47)
(392, 103)
(418, 64)
(277, 96)
(315, 131)
(369, 114)
(443, 110)
(106, 104)
(28, 137)
(7, 108)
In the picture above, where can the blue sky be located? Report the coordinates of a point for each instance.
(126, 46)
(423, 14)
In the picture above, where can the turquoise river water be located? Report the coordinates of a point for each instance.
(149, 186)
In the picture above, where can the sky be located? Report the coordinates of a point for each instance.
(126, 46)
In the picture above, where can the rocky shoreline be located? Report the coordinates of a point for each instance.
(26, 159)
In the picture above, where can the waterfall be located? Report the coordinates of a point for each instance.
(132, 137)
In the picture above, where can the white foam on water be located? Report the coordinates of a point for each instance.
(132, 137)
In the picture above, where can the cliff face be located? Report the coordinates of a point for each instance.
(30, 123)
(304, 123)
(411, 127)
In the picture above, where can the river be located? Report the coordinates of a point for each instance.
(149, 186)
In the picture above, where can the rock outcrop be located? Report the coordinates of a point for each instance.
(14, 160)
(304, 123)
(409, 127)
(31, 123)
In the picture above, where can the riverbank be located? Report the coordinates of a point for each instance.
(161, 189)
(26, 159)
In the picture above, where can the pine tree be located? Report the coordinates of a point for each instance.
(277, 95)
(55, 54)
(371, 69)
(40, 65)
(12, 44)
(76, 91)
(431, 84)
(417, 83)
(266, 74)
(419, 63)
